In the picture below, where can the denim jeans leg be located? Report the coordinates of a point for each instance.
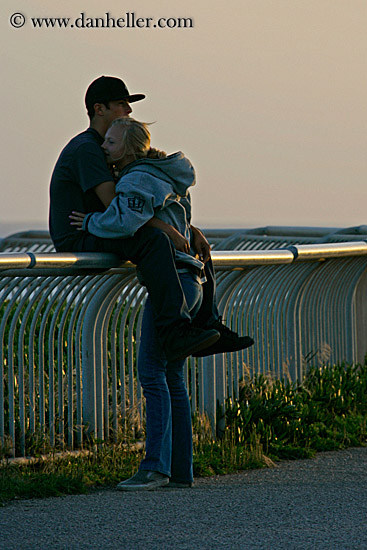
(152, 376)
(181, 461)
(168, 414)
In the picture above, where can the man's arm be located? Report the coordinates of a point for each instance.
(105, 192)
(200, 244)
(179, 241)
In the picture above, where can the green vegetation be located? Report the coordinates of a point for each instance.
(327, 411)
(271, 420)
(106, 466)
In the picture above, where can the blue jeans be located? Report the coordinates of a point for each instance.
(168, 414)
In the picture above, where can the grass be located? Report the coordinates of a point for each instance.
(104, 467)
(271, 420)
(327, 411)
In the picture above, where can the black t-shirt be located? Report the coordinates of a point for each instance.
(80, 167)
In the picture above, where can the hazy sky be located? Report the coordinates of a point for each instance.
(266, 97)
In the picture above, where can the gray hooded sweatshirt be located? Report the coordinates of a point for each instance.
(148, 188)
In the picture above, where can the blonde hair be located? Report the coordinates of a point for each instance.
(135, 136)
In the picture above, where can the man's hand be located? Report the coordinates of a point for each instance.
(200, 244)
(77, 218)
(179, 241)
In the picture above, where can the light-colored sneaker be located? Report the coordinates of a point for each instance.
(144, 480)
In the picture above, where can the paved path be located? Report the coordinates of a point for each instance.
(307, 504)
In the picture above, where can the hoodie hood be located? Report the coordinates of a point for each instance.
(174, 169)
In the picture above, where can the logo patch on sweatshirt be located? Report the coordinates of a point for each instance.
(136, 204)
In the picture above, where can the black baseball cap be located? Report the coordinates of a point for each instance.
(108, 88)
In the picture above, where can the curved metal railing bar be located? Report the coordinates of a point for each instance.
(70, 326)
(71, 263)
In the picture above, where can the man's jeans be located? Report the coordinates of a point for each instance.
(154, 255)
(208, 312)
(168, 414)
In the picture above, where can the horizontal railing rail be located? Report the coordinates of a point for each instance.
(221, 258)
(70, 326)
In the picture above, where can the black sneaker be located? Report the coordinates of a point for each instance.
(179, 485)
(187, 340)
(229, 341)
(144, 480)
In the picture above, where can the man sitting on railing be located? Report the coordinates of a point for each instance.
(81, 181)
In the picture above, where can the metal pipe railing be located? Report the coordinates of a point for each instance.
(93, 261)
(70, 323)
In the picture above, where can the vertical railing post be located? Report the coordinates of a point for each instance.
(209, 393)
(93, 345)
(220, 383)
(89, 371)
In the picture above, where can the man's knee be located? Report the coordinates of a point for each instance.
(155, 237)
(151, 244)
(151, 233)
